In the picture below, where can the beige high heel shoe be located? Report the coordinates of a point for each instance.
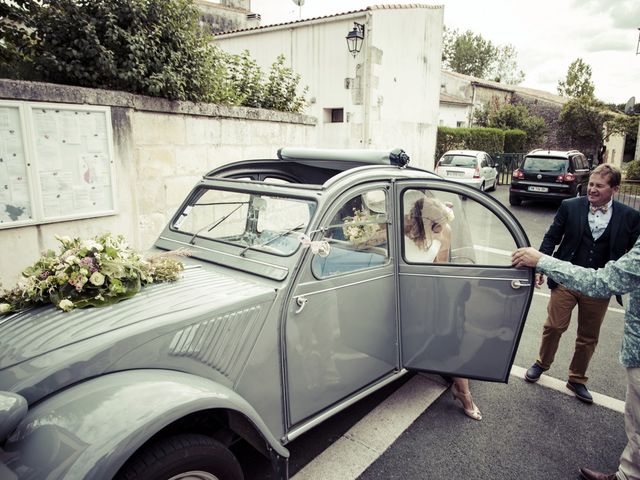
(458, 395)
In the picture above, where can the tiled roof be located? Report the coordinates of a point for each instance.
(446, 98)
(308, 20)
(532, 92)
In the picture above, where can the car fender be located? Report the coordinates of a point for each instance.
(88, 431)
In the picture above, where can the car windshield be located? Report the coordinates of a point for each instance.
(458, 161)
(255, 221)
(539, 164)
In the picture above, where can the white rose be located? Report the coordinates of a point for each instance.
(66, 305)
(97, 279)
(91, 245)
(4, 308)
(63, 238)
(71, 259)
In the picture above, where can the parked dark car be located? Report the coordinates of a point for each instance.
(302, 294)
(550, 175)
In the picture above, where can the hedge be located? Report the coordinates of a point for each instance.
(515, 141)
(485, 139)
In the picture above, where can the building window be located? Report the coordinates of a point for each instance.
(460, 124)
(334, 115)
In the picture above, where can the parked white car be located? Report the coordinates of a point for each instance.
(471, 167)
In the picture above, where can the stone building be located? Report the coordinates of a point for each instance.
(225, 15)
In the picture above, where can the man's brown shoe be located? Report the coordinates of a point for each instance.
(593, 475)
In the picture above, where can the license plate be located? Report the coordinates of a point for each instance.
(538, 189)
(455, 174)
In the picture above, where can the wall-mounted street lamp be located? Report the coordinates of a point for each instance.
(355, 38)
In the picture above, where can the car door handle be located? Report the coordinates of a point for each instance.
(301, 301)
(516, 284)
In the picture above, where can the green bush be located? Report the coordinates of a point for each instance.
(515, 141)
(633, 170)
(148, 47)
(486, 139)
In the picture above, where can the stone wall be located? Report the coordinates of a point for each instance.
(550, 112)
(161, 150)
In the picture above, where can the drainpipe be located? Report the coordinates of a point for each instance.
(473, 104)
(366, 80)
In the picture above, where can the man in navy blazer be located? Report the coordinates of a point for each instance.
(591, 231)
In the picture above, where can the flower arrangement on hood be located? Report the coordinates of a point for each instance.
(95, 272)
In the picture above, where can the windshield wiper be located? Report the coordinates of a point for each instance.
(271, 240)
(216, 222)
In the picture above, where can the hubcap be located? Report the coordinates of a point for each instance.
(194, 475)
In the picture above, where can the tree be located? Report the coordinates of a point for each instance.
(578, 81)
(15, 34)
(470, 54)
(585, 120)
(504, 68)
(148, 47)
(467, 53)
(511, 117)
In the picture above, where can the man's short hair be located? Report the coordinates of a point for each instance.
(611, 171)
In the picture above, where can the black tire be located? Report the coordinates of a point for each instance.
(482, 187)
(515, 201)
(172, 457)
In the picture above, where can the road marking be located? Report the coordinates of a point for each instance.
(559, 385)
(358, 448)
(363, 443)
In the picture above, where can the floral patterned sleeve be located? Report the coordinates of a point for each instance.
(615, 278)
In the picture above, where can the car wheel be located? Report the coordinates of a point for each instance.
(513, 200)
(495, 184)
(182, 457)
(482, 187)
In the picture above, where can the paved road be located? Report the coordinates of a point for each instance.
(528, 431)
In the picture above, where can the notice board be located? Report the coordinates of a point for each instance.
(56, 163)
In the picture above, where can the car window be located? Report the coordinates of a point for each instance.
(458, 161)
(268, 223)
(442, 227)
(357, 234)
(545, 164)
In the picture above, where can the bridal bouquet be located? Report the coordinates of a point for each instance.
(95, 272)
(360, 228)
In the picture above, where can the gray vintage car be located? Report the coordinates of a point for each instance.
(307, 289)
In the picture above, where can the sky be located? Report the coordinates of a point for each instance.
(547, 34)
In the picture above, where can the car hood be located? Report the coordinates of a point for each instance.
(38, 331)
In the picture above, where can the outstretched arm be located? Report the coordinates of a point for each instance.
(616, 278)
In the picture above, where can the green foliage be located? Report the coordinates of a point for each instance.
(633, 170)
(246, 77)
(280, 91)
(470, 54)
(486, 139)
(510, 117)
(585, 120)
(15, 34)
(515, 141)
(578, 81)
(148, 47)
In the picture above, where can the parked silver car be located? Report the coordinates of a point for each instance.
(303, 294)
(471, 167)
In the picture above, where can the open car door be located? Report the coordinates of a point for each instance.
(462, 306)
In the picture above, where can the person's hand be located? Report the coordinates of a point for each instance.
(539, 280)
(525, 257)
